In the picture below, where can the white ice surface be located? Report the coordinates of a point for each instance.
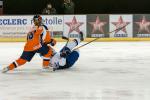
(104, 71)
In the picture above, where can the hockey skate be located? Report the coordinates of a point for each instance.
(6, 69)
(47, 69)
(54, 68)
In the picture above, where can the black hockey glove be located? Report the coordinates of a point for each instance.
(65, 53)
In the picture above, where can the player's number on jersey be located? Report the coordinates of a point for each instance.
(30, 36)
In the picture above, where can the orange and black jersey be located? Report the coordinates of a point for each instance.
(37, 37)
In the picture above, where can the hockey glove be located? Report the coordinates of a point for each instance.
(53, 42)
(65, 53)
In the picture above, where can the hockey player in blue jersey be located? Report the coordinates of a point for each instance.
(67, 57)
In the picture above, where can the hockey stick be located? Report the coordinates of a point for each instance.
(118, 29)
(65, 38)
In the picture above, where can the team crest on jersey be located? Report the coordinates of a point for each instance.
(40, 28)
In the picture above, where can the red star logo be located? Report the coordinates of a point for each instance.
(143, 25)
(97, 25)
(119, 24)
(74, 25)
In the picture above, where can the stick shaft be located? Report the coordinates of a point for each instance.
(118, 29)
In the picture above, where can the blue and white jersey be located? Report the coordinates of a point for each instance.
(57, 61)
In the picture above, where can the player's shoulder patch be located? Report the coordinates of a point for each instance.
(45, 27)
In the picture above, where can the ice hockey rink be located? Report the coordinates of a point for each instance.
(104, 71)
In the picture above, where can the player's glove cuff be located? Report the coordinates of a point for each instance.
(53, 42)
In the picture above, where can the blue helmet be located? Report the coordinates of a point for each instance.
(37, 17)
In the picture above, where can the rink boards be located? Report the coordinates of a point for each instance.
(15, 28)
(86, 39)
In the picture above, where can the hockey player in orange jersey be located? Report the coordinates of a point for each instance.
(37, 42)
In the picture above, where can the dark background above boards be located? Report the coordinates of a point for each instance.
(81, 6)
